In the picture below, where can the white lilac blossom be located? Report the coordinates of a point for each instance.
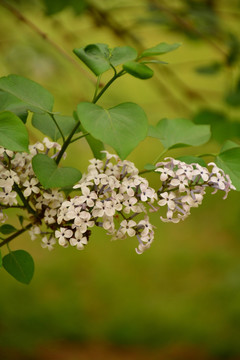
(111, 195)
(184, 185)
(110, 190)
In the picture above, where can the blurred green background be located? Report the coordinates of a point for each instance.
(181, 298)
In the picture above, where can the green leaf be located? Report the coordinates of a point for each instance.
(13, 104)
(13, 134)
(210, 69)
(0, 258)
(46, 125)
(150, 167)
(221, 127)
(51, 176)
(121, 127)
(229, 161)
(95, 56)
(122, 54)
(7, 229)
(27, 91)
(233, 97)
(179, 133)
(189, 159)
(20, 265)
(154, 62)
(229, 145)
(96, 147)
(138, 70)
(159, 49)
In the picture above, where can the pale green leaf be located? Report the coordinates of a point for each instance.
(27, 91)
(121, 127)
(13, 133)
(159, 49)
(52, 176)
(179, 133)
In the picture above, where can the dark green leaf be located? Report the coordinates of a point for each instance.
(20, 265)
(95, 56)
(27, 91)
(138, 70)
(229, 161)
(7, 229)
(0, 258)
(159, 49)
(179, 133)
(46, 125)
(122, 54)
(21, 219)
(13, 134)
(121, 127)
(51, 176)
(188, 159)
(210, 69)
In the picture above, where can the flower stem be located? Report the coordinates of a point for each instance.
(58, 127)
(115, 76)
(24, 200)
(67, 142)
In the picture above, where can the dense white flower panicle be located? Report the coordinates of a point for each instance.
(111, 195)
(111, 190)
(184, 185)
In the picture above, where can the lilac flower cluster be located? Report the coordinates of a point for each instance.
(111, 195)
(184, 185)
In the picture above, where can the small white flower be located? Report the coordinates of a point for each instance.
(165, 173)
(181, 182)
(48, 243)
(167, 200)
(88, 196)
(63, 235)
(127, 227)
(49, 216)
(31, 187)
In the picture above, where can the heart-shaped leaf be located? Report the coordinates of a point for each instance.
(122, 54)
(121, 127)
(179, 133)
(47, 126)
(27, 91)
(229, 161)
(159, 49)
(20, 265)
(51, 176)
(138, 70)
(13, 133)
(95, 56)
